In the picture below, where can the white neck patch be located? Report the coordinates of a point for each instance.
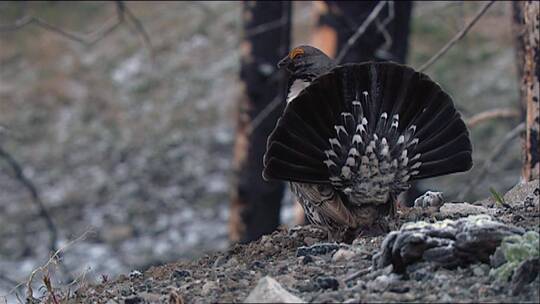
(295, 89)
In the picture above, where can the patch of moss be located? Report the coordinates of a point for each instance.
(516, 249)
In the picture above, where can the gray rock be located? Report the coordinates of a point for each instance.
(325, 282)
(497, 258)
(220, 261)
(447, 243)
(269, 290)
(463, 209)
(519, 193)
(526, 272)
(180, 274)
(383, 282)
(343, 255)
(208, 287)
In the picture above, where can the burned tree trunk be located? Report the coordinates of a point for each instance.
(526, 23)
(384, 39)
(255, 203)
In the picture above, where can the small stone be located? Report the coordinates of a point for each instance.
(135, 274)
(399, 289)
(306, 259)
(257, 264)
(220, 261)
(382, 282)
(133, 300)
(343, 255)
(180, 274)
(207, 288)
(328, 283)
(269, 290)
(317, 249)
(151, 298)
(231, 262)
(478, 271)
(309, 241)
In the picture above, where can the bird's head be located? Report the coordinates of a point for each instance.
(306, 62)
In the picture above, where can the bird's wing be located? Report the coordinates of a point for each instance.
(323, 205)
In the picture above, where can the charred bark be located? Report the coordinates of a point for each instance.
(255, 203)
(526, 28)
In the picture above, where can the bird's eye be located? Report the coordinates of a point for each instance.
(296, 52)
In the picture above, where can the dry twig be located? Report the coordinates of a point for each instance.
(491, 114)
(488, 163)
(456, 38)
(54, 257)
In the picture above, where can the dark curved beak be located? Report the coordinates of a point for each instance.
(284, 62)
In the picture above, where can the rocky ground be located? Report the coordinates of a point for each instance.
(298, 265)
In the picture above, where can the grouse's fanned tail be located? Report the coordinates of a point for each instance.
(379, 121)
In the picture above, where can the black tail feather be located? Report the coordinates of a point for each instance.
(404, 109)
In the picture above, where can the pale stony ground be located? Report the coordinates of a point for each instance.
(297, 264)
(138, 152)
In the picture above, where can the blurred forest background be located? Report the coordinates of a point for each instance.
(131, 138)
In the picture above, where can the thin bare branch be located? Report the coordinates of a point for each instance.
(89, 39)
(491, 114)
(139, 28)
(488, 163)
(457, 37)
(360, 31)
(263, 114)
(36, 199)
(262, 28)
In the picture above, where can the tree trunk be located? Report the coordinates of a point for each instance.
(255, 203)
(526, 27)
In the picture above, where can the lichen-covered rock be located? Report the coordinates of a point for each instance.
(447, 243)
(514, 250)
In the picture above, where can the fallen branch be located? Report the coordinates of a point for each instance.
(488, 163)
(491, 114)
(456, 38)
